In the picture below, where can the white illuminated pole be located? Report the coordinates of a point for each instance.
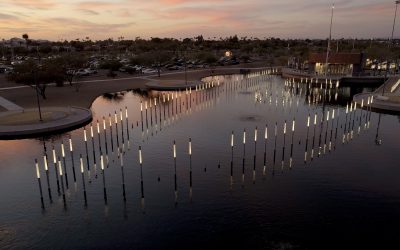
(313, 142)
(122, 130)
(111, 133)
(71, 151)
(105, 138)
(190, 166)
(94, 152)
(329, 41)
(155, 111)
(87, 153)
(147, 122)
(291, 145)
(255, 153)
(141, 113)
(276, 135)
(116, 130)
(39, 182)
(56, 169)
(104, 178)
(123, 178)
(265, 148)
(127, 127)
(46, 168)
(308, 130)
(83, 178)
(244, 142)
(232, 145)
(175, 176)
(141, 175)
(345, 123)
(65, 165)
(61, 177)
(284, 142)
(98, 135)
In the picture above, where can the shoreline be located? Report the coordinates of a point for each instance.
(91, 89)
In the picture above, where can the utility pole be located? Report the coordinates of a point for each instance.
(329, 41)
(184, 58)
(37, 93)
(388, 64)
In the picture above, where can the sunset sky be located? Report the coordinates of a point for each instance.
(101, 19)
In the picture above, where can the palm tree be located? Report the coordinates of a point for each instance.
(26, 37)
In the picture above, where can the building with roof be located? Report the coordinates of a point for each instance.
(339, 64)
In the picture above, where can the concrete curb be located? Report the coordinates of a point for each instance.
(77, 118)
(161, 87)
(377, 104)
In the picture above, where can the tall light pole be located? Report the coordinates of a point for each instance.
(184, 58)
(34, 71)
(394, 20)
(390, 43)
(329, 41)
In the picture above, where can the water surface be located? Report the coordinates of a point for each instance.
(335, 185)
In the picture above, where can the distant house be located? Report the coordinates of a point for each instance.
(16, 42)
(347, 64)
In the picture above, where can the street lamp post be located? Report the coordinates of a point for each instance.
(390, 43)
(329, 41)
(184, 58)
(37, 94)
(394, 20)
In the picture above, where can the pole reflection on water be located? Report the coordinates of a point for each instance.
(55, 169)
(83, 179)
(62, 181)
(65, 165)
(71, 150)
(93, 150)
(87, 153)
(46, 168)
(39, 182)
(141, 176)
(190, 168)
(207, 96)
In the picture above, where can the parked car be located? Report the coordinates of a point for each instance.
(176, 68)
(9, 70)
(91, 71)
(128, 69)
(149, 71)
(82, 72)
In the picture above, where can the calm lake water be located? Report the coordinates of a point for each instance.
(332, 184)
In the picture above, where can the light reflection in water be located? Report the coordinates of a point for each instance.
(319, 132)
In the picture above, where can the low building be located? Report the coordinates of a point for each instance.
(343, 64)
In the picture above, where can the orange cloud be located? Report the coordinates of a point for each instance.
(90, 5)
(33, 4)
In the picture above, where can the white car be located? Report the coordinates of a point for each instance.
(82, 72)
(149, 71)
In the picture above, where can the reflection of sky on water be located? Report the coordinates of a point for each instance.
(334, 192)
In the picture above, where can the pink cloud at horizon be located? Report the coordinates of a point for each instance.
(101, 19)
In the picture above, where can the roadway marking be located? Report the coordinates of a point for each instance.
(9, 105)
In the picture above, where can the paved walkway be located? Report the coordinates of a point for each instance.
(9, 105)
(390, 101)
(146, 76)
(171, 84)
(23, 124)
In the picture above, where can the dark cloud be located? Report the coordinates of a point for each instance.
(88, 12)
(7, 17)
